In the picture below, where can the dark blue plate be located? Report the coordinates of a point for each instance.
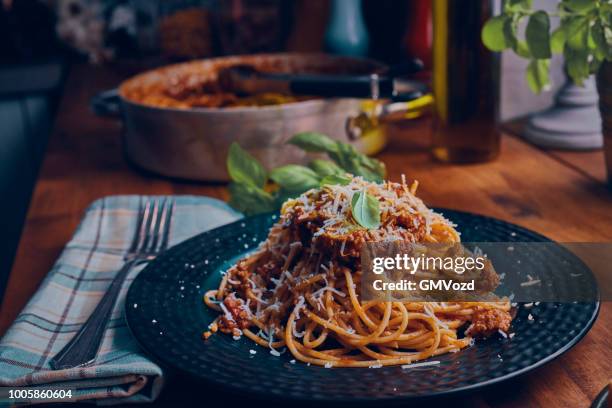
(170, 317)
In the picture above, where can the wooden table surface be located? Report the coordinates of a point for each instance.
(560, 195)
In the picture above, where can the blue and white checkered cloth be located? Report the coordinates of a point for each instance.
(72, 289)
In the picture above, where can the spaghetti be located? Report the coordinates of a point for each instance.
(299, 290)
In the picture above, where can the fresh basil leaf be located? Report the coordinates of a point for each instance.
(577, 32)
(250, 200)
(343, 155)
(325, 167)
(537, 75)
(537, 35)
(293, 177)
(366, 210)
(357, 163)
(313, 142)
(557, 40)
(346, 157)
(244, 168)
(493, 34)
(335, 179)
(375, 169)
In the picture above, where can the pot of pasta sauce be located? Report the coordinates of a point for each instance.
(179, 123)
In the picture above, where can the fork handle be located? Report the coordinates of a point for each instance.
(83, 347)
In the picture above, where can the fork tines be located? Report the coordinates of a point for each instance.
(153, 227)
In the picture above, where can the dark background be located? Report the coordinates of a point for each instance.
(40, 40)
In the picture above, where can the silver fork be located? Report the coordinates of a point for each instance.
(150, 238)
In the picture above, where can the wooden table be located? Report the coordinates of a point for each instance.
(561, 195)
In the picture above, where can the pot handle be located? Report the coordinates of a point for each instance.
(106, 103)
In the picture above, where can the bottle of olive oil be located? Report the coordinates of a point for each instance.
(465, 83)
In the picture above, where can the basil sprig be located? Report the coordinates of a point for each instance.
(335, 179)
(584, 37)
(254, 191)
(343, 154)
(366, 210)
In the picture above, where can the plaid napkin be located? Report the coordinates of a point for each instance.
(69, 293)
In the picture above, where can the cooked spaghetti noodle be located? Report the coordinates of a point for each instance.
(300, 289)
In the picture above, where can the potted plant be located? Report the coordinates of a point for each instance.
(584, 37)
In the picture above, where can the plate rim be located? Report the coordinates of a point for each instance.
(360, 400)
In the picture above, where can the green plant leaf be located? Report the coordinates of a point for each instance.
(493, 34)
(517, 5)
(602, 49)
(510, 32)
(249, 199)
(335, 179)
(584, 37)
(537, 35)
(577, 64)
(577, 32)
(366, 210)
(557, 40)
(522, 49)
(244, 168)
(325, 167)
(537, 75)
(510, 28)
(580, 6)
(313, 142)
(608, 32)
(295, 178)
(594, 65)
